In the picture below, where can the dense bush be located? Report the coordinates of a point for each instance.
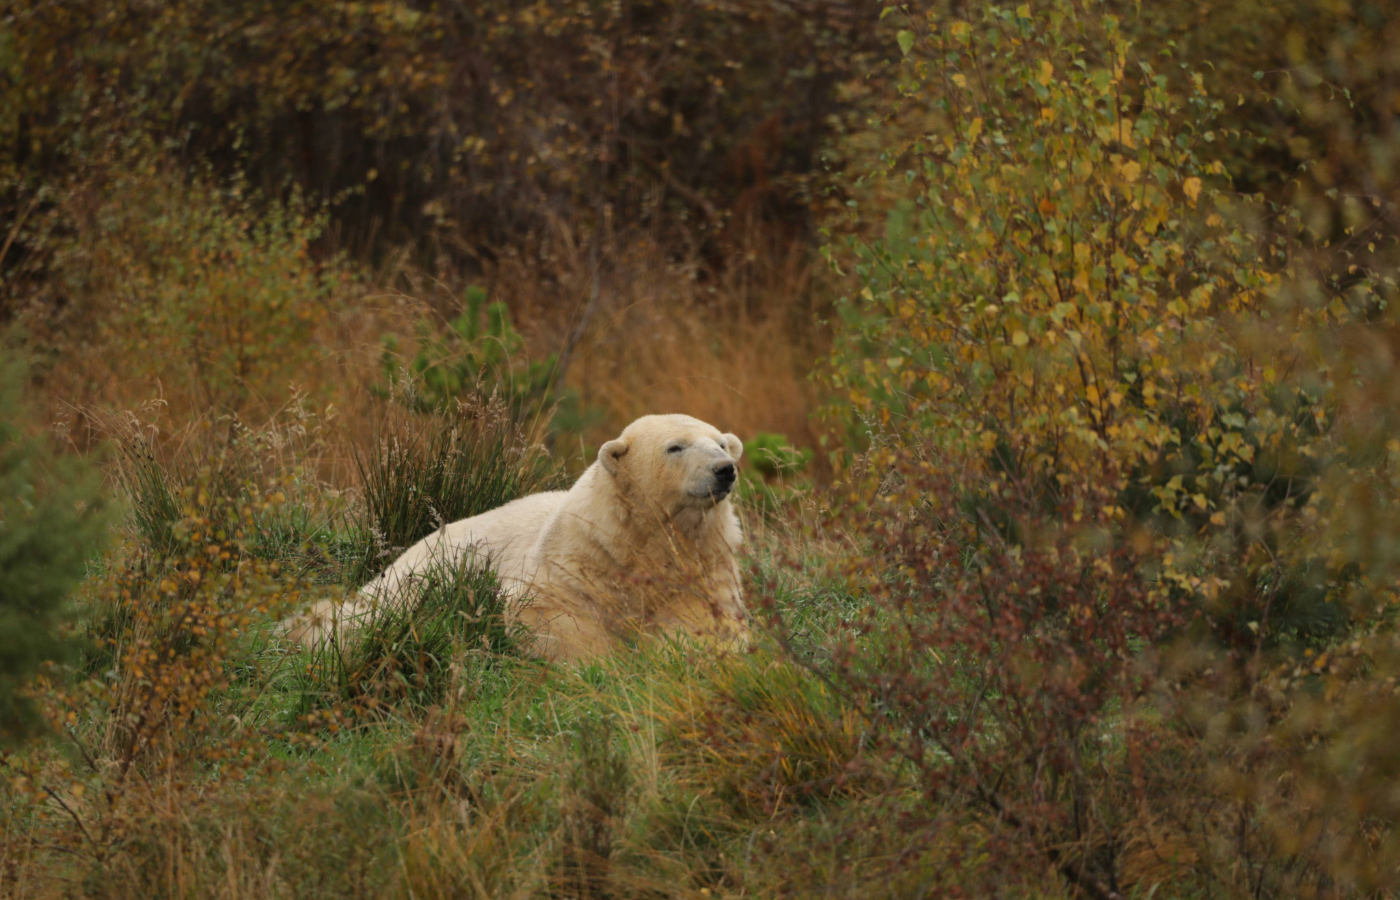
(1073, 308)
(194, 287)
(1114, 453)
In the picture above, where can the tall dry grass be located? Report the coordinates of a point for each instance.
(732, 347)
(635, 328)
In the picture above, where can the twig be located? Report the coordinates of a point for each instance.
(76, 818)
(14, 230)
(686, 193)
(82, 750)
(1073, 872)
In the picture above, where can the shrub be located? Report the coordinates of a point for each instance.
(1103, 418)
(1001, 673)
(199, 288)
(168, 706)
(1041, 302)
(1071, 306)
(175, 622)
(481, 355)
(52, 519)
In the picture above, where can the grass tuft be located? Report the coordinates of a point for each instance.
(439, 469)
(596, 801)
(411, 650)
(764, 736)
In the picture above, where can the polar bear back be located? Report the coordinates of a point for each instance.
(501, 538)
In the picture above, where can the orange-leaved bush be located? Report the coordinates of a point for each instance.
(1050, 292)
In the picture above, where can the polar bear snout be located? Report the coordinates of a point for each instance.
(719, 483)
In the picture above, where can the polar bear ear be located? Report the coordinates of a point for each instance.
(610, 453)
(733, 445)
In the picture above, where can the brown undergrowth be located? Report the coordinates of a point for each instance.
(203, 305)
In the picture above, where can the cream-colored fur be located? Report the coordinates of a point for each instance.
(644, 542)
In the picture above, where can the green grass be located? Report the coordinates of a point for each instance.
(424, 755)
(492, 776)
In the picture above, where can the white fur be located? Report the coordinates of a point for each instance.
(644, 542)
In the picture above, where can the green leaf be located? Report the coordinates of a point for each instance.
(906, 41)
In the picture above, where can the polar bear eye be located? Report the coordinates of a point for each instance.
(675, 448)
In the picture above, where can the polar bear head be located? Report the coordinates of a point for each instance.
(673, 462)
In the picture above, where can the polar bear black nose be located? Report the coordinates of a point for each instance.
(725, 474)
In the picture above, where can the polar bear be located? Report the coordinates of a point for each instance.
(644, 542)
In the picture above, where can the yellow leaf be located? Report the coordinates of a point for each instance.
(1020, 338)
(1120, 133)
(1023, 11)
(1217, 519)
(1046, 71)
(974, 129)
(960, 80)
(1192, 188)
(1199, 500)
(1131, 171)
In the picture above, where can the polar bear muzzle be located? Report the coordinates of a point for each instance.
(724, 477)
